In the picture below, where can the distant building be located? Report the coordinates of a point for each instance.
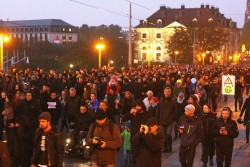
(153, 33)
(52, 30)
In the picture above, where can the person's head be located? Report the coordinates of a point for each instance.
(192, 99)
(29, 96)
(140, 106)
(181, 96)
(72, 92)
(64, 93)
(153, 125)
(189, 110)
(127, 95)
(92, 96)
(103, 105)
(17, 94)
(226, 113)
(100, 116)
(206, 108)
(112, 90)
(150, 94)
(167, 92)
(154, 100)
(44, 121)
(83, 109)
(178, 83)
(3, 94)
(53, 95)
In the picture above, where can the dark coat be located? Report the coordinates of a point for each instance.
(113, 141)
(54, 112)
(148, 149)
(72, 107)
(83, 122)
(136, 120)
(246, 110)
(193, 130)
(4, 155)
(208, 121)
(55, 147)
(231, 128)
(167, 112)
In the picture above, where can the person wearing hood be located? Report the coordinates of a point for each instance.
(48, 147)
(208, 143)
(246, 110)
(166, 115)
(193, 99)
(225, 130)
(181, 103)
(191, 130)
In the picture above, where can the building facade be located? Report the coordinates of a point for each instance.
(52, 30)
(153, 33)
(247, 14)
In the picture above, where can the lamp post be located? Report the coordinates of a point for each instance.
(100, 46)
(2, 39)
(175, 54)
(194, 44)
(203, 56)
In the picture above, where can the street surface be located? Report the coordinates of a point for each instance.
(241, 153)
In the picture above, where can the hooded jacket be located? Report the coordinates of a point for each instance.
(231, 128)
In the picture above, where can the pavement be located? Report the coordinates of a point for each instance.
(241, 152)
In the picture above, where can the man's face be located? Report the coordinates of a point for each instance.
(189, 113)
(225, 114)
(72, 93)
(103, 106)
(138, 108)
(206, 109)
(63, 94)
(153, 129)
(83, 109)
(150, 95)
(101, 122)
(167, 92)
(3, 95)
(43, 123)
(53, 96)
(92, 97)
(28, 96)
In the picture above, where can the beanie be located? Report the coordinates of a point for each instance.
(45, 115)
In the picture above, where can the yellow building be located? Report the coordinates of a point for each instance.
(153, 33)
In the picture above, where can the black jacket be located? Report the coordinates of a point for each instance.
(72, 107)
(232, 130)
(148, 149)
(55, 148)
(167, 112)
(193, 130)
(83, 122)
(208, 121)
(136, 120)
(246, 110)
(54, 112)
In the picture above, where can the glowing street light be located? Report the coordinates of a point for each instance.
(2, 40)
(100, 46)
(71, 65)
(175, 54)
(203, 56)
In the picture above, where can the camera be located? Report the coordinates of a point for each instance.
(100, 140)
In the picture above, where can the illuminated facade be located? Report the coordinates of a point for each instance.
(153, 33)
(52, 30)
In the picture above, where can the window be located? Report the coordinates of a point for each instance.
(26, 37)
(63, 29)
(70, 29)
(31, 29)
(21, 36)
(144, 56)
(158, 56)
(46, 37)
(70, 38)
(41, 29)
(35, 37)
(21, 29)
(210, 20)
(144, 35)
(64, 38)
(158, 35)
(41, 36)
(159, 22)
(158, 48)
(26, 29)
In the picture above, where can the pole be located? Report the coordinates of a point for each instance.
(1, 52)
(130, 36)
(203, 60)
(175, 58)
(194, 49)
(100, 54)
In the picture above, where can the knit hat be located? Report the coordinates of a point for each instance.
(179, 81)
(45, 115)
(190, 107)
(152, 121)
(100, 114)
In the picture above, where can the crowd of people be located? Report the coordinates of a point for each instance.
(152, 102)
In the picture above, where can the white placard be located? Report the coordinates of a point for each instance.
(228, 85)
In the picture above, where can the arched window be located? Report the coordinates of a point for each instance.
(159, 22)
(210, 20)
(144, 53)
(158, 48)
(144, 48)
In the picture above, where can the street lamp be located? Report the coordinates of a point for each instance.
(111, 62)
(203, 56)
(2, 40)
(71, 65)
(175, 53)
(100, 46)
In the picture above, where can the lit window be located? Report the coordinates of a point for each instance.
(145, 23)
(144, 56)
(159, 22)
(158, 56)
(158, 48)
(210, 20)
(63, 29)
(70, 29)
